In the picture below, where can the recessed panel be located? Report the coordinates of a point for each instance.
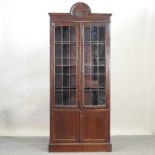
(65, 126)
(95, 126)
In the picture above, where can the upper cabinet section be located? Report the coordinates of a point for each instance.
(80, 12)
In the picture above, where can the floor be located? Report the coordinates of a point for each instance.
(122, 145)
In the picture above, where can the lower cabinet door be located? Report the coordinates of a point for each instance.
(65, 126)
(95, 126)
(73, 126)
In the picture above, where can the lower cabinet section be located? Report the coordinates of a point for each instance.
(76, 130)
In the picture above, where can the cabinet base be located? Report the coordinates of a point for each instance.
(80, 147)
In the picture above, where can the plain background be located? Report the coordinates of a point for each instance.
(24, 65)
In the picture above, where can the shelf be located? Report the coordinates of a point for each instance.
(97, 57)
(91, 88)
(102, 74)
(94, 42)
(66, 74)
(88, 65)
(94, 88)
(62, 88)
(65, 42)
(67, 65)
(65, 58)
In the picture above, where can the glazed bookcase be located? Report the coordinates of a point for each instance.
(79, 80)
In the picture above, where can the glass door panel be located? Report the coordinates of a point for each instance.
(94, 65)
(65, 66)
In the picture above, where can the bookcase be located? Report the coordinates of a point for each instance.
(79, 80)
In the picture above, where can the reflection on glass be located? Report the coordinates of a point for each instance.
(94, 69)
(94, 97)
(95, 61)
(94, 50)
(101, 97)
(94, 35)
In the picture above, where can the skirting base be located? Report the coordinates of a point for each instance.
(80, 147)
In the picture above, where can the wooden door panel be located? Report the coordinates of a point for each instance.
(65, 125)
(95, 126)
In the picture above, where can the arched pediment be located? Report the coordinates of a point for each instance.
(80, 9)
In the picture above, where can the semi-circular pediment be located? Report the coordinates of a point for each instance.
(80, 9)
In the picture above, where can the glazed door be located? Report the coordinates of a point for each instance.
(66, 60)
(80, 102)
(65, 101)
(94, 106)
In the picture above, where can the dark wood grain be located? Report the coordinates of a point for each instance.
(79, 127)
